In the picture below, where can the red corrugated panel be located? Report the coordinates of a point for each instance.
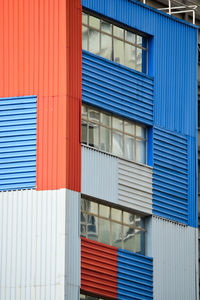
(40, 54)
(98, 268)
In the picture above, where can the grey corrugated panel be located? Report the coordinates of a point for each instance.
(99, 177)
(135, 186)
(116, 88)
(174, 255)
(170, 178)
(18, 142)
(34, 243)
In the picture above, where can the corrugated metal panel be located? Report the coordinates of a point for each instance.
(170, 179)
(135, 186)
(116, 88)
(36, 231)
(174, 257)
(18, 142)
(99, 175)
(98, 268)
(135, 276)
(46, 61)
(172, 60)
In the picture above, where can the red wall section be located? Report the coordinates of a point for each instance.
(40, 54)
(98, 268)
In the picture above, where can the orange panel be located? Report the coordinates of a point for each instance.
(40, 54)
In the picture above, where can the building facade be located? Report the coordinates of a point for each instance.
(98, 174)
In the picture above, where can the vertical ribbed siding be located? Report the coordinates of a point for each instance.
(117, 89)
(134, 276)
(98, 268)
(36, 235)
(99, 175)
(174, 256)
(18, 142)
(135, 186)
(40, 56)
(170, 175)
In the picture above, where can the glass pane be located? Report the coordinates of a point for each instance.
(139, 221)
(84, 111)
(104, 211)
(93, 135)
(140, 131)
(83, 230)
(92, 228)
(116, 214)
(118, 51)
(84, 204)
(94, 115)
(129, 238)
(92, 207)
(129, 146)
(139, 241)
(104, 231)
(117, 123)
(94, 22)
(106, 46)
(130, 37)
(83, 217)
(94, 41)
(84, 18)
(105, 119)
(128, 218)
(85, 38)
(139, 40)
(105, 139)
(141, 151)
(116, 236)
(118, 32)
(106, 27)
(117, 143)
(84, 132)
(130, 56)
(129, 127)
(138, 59)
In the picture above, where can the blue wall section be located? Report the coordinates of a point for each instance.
(193, 184)
(170, 180)
(117, 89)
(134, 276)
(18, 142)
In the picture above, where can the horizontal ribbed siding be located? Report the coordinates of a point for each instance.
(98, 268)
(170, 180)
(135, 276)
(117, 89)
(135, 186)
(18, 142)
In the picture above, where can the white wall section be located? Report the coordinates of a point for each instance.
(174, 260)
(35, 242)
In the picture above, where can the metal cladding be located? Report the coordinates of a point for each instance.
(135, 276)
(36, 240)
(18, 142)
(117, 89)
(170, 175)
(174, 252)
(40, 56)
(115, 273)
(98, 268)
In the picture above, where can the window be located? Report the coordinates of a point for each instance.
(85, 297)
(112, 226)
(114, 43)
(114, 135)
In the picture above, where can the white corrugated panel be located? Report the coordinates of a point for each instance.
(34, 242)
(174, 260)
(135, 186)
(99, 175)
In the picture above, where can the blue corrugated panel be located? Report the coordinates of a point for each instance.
(18, 142)
(117, 89)
(134, 276)
(170, 179)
